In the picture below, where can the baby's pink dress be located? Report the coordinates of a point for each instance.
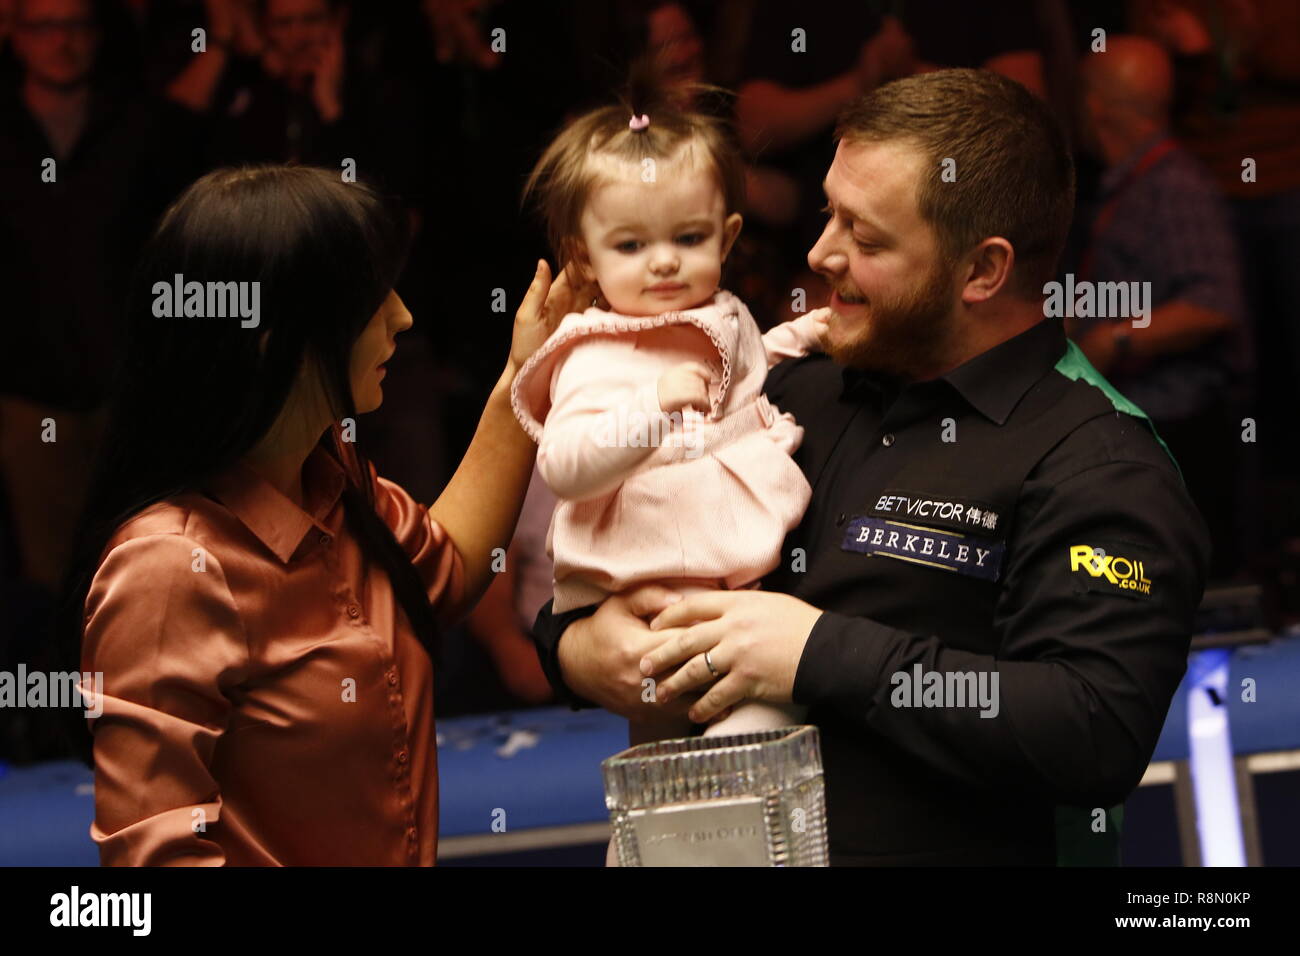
(643, 497)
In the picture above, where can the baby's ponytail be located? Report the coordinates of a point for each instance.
(653, 119)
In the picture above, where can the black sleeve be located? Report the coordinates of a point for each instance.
(547, 631)
(1087, 664)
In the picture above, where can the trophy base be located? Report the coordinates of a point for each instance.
(754, 799)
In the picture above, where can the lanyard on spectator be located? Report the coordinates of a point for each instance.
(1157, 152)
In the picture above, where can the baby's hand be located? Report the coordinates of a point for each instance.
(685, 386)
(820, 320)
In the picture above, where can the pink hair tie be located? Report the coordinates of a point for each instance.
(638, 122)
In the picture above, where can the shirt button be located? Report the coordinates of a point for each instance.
(839, 522)
(401, 756)
(354, 611)
(392, 678)
(325, 540)
(411, 834)
(887, 440)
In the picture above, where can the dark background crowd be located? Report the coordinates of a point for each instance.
(446, 104)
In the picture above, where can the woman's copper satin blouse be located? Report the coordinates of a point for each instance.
(265, 700)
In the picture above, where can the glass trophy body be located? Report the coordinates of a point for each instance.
(753, 799)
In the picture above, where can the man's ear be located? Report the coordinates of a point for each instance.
(730, 230)
(988, 270)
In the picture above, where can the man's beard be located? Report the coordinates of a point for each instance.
(905, 337)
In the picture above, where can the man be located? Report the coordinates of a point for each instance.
(1161, 221)
(85, 168)
(987, 606)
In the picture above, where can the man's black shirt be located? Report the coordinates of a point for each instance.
(1013, 527)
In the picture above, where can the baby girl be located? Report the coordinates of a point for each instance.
(669, 464)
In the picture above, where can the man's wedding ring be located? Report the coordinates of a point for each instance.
(709, 660)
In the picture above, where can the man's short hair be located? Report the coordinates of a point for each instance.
(1014, 176)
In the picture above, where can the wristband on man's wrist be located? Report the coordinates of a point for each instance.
(548, 629)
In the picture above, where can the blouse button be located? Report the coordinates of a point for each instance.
(392, 678)
(411, 834)
(887, 440)
(839, 522)
(325, 540)
(401, 756)
(354, 611)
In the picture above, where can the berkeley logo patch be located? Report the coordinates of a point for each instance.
(963, 553)
(956, 514)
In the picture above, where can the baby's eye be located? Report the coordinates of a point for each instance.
(691, 238)
(628, 245)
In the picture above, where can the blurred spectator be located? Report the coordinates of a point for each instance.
(805, 62)
(85, 167)
(803, 66)
(1163, 222)
(1237, 70)
(290, 103)
(6, 21)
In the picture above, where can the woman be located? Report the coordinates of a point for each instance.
(261, 604)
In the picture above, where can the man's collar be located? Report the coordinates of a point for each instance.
(859, 382)
(995, 381)
(272, 518)
(992, 382)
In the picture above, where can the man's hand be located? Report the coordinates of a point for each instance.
(599, 656)
(754, 638)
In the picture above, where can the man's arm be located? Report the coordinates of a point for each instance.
(1086, 668)
(547, 631)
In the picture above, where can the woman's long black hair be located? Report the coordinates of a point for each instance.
(194, 395)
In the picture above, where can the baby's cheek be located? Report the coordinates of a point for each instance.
(708, 262)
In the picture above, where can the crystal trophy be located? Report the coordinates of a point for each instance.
(751, 799)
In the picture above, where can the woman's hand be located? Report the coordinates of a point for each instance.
(545, 304)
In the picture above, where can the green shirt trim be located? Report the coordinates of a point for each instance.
(1074, 365)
